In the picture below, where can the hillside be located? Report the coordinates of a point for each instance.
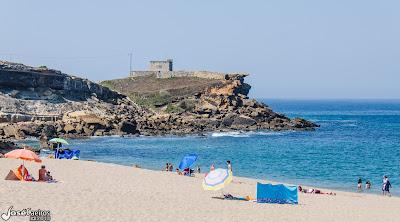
(153, 92)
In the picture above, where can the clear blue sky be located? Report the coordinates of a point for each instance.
(292, 49)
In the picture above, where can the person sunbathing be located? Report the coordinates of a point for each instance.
(314, 191)
(178, 172)
(44, 175)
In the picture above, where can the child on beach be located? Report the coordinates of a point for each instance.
(178, 172)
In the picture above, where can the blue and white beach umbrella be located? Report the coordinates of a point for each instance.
(217, 179)
(187, 161)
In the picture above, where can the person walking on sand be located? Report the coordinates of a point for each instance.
(386, 185)
(229, 165)
(359, 185)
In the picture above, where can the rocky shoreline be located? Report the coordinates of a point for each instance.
(45, 103)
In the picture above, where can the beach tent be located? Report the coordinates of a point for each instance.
(13, 176)
(187, 161)
(280, 194)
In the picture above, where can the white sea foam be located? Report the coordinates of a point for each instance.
(230, 134)
(245, 134)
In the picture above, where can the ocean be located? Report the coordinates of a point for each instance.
(357, 139)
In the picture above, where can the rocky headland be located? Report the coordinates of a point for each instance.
(44, 103)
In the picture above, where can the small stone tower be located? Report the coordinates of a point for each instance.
(161, 66)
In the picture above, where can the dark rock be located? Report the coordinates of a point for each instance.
(243, 121)
(128, 127)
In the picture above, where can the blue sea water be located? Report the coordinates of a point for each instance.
(357, 139)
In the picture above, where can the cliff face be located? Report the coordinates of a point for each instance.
(41, 102)
(38, 83)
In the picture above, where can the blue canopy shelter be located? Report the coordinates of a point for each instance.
(187, 161)
(280, 194)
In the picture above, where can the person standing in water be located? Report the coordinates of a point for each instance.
(368, 185)
(359, 185)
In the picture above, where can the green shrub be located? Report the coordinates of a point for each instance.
(173, 109)
(187, 104)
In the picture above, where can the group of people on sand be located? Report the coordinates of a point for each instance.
(188, 172)
(169, 167)
(386, 185)
(44, 175)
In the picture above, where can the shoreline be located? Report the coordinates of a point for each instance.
(305, 183)
(88, 190)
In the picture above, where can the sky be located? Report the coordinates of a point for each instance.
(332, 49)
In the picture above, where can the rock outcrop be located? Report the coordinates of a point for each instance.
(44, 103)
(220, 107)
(41, 102)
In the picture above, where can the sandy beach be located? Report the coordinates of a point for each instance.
(92, 191)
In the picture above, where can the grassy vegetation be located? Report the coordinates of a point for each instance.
(109, 84)
(152, 93)
(152, 100)
(187, 104)
(171, 108)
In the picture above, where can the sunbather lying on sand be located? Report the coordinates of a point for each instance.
(314, 191)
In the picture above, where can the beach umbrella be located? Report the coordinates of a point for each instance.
(217, 179)
(59, 140)
(187, 161)
(23, 154)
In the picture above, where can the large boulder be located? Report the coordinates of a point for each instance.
(243, 121)
(7, 146)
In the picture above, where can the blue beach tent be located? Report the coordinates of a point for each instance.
(280, 194)
(187, 161)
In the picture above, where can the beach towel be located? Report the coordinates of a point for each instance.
(280, 194)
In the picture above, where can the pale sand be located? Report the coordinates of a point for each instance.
(90, 191)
